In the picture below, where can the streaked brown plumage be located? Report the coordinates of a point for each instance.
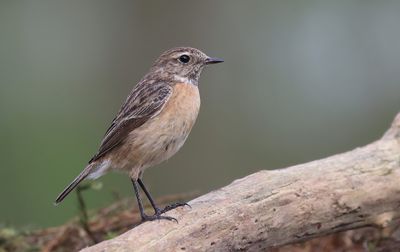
(153, 123)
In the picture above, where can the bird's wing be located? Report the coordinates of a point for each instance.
(145, 102)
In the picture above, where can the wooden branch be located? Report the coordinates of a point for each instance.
(272, 208)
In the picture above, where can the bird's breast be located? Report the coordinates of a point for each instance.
(181, 110)
(164, 134)
(178, 117)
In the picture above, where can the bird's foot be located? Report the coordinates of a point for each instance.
(158, 214)
(173, 206)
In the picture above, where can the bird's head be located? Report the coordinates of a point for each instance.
(183, 64)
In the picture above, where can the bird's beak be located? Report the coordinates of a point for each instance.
(213, 61)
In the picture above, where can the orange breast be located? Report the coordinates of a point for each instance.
(183, 106)
(163, 135)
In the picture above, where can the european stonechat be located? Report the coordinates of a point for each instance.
(152, 124)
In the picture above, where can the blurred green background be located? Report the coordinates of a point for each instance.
(301, 80)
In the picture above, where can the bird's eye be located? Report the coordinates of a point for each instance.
(184, 58)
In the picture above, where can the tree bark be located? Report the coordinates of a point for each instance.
(271, 208)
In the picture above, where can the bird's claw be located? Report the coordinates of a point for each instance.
(157, 216)
(173, 206)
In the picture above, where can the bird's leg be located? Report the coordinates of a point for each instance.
(157, 215)
(153, 204)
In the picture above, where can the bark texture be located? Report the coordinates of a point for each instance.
(271, 208)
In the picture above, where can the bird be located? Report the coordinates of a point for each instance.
(152, 124)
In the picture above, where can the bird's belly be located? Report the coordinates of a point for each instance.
(162, 146)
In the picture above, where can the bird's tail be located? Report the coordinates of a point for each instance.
(73, 184)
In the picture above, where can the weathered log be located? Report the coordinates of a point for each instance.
(271, 208)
